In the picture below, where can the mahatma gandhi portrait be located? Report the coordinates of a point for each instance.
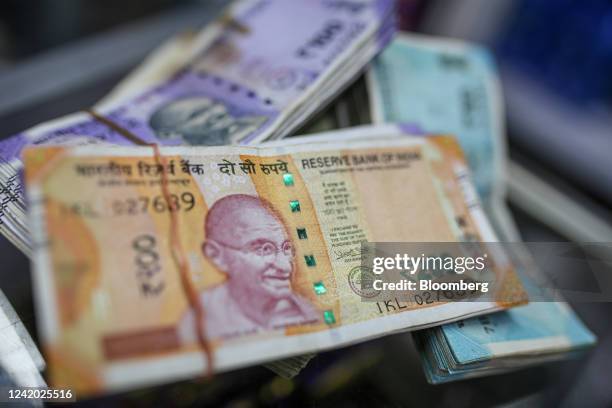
(247, 240)
(199, 120)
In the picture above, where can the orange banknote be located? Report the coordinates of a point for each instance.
(154, 264)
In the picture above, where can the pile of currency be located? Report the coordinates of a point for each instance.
(279, 226)
(499, 342)
(156, 259)
(254, 75)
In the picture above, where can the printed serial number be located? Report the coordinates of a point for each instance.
(429, 297)
(132, 206)
(424, 298)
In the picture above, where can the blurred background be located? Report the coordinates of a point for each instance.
(555, 64)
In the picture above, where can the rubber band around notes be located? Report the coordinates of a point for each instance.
(178, 254)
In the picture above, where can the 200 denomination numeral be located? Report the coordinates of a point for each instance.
(147, 265)
(142, 204)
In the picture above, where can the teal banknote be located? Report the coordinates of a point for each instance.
(444, 87)
(499, 342)
(529, 329)
(539, 332)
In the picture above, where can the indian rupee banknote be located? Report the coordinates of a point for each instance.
(258, 73)
(250, 253)
(502, 342)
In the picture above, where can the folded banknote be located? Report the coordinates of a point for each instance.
(143, 260)
(258, 73)
(450, 86)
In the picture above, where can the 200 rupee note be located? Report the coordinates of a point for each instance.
(269, 235)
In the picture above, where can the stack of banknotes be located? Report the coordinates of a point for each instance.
(255, 74)
(124, 240)
(501, 342)
(269, 235)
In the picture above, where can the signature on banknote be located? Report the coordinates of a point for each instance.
(351, 253)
